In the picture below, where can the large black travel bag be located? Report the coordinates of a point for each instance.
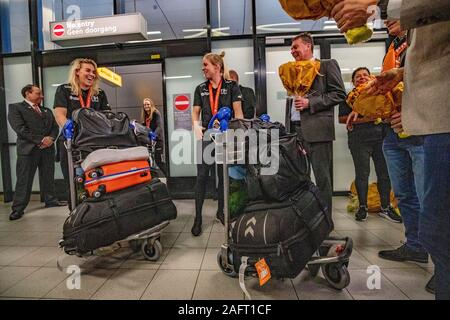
(278, 174)
(292, 171)
(285, 234)
(100, 222)
(102, 129)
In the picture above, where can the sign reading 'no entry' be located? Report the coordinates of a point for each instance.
(58, 30)
(181, 102)
(182, 111)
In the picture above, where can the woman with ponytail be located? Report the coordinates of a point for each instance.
(215, 93)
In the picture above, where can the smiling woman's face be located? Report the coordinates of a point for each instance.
(361, 76)
(209, 69)
(86, 75)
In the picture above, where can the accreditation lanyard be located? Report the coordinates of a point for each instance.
(214, 101)
(86, 104)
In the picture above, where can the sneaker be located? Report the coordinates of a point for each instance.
(390, 214)
(403, 253)
(220, 217)
(361, 215)
(197, 228)
(430, 286)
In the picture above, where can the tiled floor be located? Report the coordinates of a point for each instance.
(188, 269)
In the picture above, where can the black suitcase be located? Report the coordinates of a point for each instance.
(100, 222)
(285, 234)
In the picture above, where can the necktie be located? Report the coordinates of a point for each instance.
(37, 109)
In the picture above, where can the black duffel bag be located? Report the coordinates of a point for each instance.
(102, 129)
(293, 166)
(100, 222)
(293, 171)
(257, 125)
(285, 234)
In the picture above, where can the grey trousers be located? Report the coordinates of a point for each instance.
(320, 155)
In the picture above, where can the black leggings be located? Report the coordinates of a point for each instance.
(64, 162)
(361, 154)
(200, 187)
(203, 171)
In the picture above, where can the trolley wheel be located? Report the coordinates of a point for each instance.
(79, 179)
(336, 275)
(83, 196)
(313, 269)
(151, 252)
(229, 272)
(95, 174)
(97, 194)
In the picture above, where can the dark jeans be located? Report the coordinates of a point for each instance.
(320, 156)
(203, 175)
(405, 161)
(361, 152)
(25, 170)
(434, 225)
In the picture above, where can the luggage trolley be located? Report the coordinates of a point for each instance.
(332, 256)
(147, 241)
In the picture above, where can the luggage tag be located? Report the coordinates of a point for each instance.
(263, 271)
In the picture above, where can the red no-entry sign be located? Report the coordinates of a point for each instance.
(58, 30)
(181, 102)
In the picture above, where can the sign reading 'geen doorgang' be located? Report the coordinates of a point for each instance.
(112, 29)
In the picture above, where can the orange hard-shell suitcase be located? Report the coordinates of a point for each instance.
(116, 176)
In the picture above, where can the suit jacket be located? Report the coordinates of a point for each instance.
(327, 91)
(31, 127)
(425, 104)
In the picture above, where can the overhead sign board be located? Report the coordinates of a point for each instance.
(111, 29)
(110, 76)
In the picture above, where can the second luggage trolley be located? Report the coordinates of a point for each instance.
(146, 241)
(332, 256)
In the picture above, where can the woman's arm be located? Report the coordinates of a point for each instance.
(237, 108)
(196, 124)
(61, 116)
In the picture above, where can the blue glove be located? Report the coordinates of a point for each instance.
(68, 129)
(223, 115)
(265, 117)
(223, 125)
(152, 136)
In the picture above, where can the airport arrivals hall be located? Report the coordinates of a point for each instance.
(232, 150)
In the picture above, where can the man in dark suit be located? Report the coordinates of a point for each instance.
(312, 116)
(248, 97)
(36, 130)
